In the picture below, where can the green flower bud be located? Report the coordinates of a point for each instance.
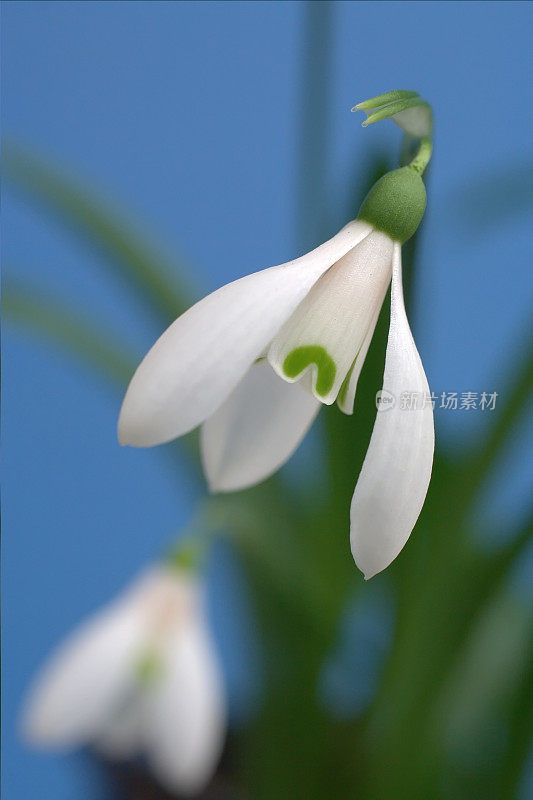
(395, 204)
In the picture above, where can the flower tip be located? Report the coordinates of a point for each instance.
(212, 485)
(369, 566)
(134, 432)
(371, 574)
(214, 479)
(219, 484)
(122, 436)
(36, 726)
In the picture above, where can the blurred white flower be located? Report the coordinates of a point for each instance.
(309, 322)
(139, 677)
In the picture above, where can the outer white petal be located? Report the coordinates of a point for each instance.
(346, 396)
(186, 726)
(395, 476)
(255, 430)
(201, 357)
(85, 680)
(335, 317)
(121, 736)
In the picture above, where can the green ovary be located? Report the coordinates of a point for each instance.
(301, 357)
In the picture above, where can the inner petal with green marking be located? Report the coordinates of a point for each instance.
(322, 338)
(302, 357)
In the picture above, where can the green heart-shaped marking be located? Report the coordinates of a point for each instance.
(301, 357)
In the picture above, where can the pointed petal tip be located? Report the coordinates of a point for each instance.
(371, 568)
(213, 484)
(125, 430)
(126, 438)
(218, 483)
(373, 572)
(133, 431)
(31, 728)
(121, 437)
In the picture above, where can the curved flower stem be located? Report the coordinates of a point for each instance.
(421, 159)
(410, 112)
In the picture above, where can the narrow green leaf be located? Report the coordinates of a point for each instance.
(83, 338)
(520, 738)
(137, 262)
(512, 406)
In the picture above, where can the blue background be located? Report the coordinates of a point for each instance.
(187, 115)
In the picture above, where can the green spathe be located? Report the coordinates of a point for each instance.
(301, 357)
(395, 204)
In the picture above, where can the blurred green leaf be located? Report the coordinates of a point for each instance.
(84, 338)
(520, 736)
(493, 666)
(138, 262)
(512, 407)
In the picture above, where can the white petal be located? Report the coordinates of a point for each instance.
(395, 476)
(121, 736)
(196, 363)
(81, 685)
(167, 600)
(346, 396)
(330, 325)
(255, 430)
(187, 723)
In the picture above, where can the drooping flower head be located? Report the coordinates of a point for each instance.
(253, 361)
(139, 677)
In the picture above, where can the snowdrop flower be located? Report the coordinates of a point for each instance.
(139, 676)
(253, 361)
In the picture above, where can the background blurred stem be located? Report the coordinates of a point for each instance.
(313, 134)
